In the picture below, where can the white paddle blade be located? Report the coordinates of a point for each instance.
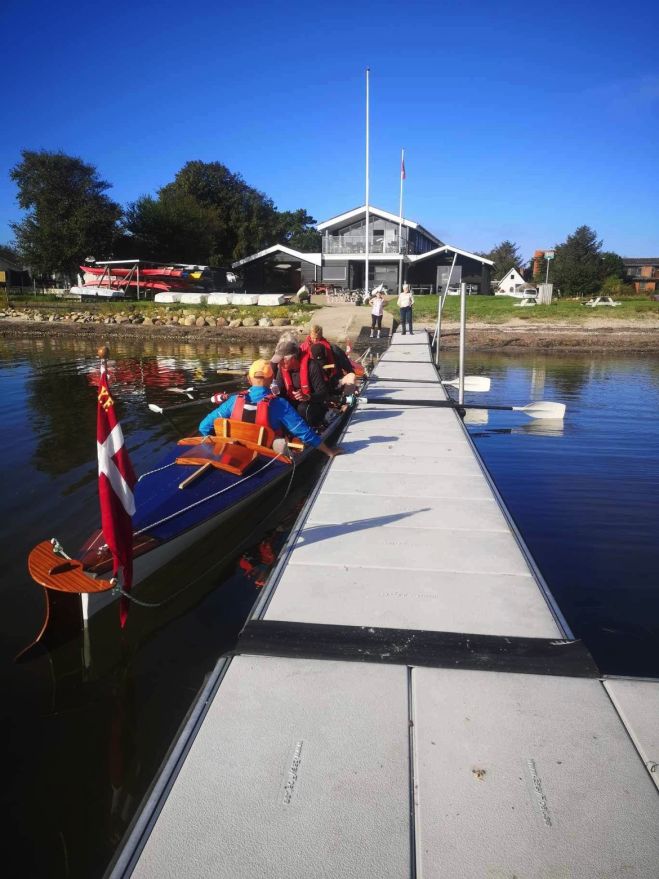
(473, 383)
(476, 416)
(187, 391)
(542, 409)
(156, 409)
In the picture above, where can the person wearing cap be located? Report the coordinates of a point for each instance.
(281, 416)
(305, 382)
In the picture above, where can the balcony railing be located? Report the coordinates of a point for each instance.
(346, 244)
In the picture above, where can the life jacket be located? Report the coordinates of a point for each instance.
(304, 385)
(330, 359)
(290, 384)
(253, 414)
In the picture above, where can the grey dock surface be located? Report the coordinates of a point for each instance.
(407, 701)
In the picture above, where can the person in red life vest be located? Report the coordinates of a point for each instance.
(304, 383)
(259, 406)
(316, 337)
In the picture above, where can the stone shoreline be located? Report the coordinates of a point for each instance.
(602, 336)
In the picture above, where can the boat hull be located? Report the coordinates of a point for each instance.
(175, 532)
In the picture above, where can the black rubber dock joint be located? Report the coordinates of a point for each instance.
(414, 647)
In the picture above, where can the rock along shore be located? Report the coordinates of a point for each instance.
(339, 324)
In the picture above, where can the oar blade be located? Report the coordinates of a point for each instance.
(542, 409)
(473, 383)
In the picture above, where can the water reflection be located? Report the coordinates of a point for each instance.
(585, 492)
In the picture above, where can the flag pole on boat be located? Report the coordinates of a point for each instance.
(366, 225)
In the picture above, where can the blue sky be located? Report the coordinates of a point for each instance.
(519, 120)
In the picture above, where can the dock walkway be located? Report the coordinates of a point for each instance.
(407, 700)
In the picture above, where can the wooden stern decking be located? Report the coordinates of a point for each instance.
(406, 700)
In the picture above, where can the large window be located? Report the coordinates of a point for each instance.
(334, 273)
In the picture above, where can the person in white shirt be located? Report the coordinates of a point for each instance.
(405, 303)
(377, 310)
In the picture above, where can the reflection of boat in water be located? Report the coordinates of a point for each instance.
(198, 485)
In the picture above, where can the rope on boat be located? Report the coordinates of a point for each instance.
(157, 470)
(119, 590)
(209, 497)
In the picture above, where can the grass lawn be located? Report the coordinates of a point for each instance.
(501, 309)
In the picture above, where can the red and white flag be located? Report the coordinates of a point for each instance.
(116, 480)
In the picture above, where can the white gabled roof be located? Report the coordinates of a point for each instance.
(314, 258)
(512, 275)
(357, 212)
(449, 247)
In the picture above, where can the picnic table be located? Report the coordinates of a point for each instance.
(600, 300)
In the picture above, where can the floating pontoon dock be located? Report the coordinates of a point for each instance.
(407, 700)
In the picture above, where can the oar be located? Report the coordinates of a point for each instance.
(160, 411)
(475, 383)
(193, 390)
(541, 409)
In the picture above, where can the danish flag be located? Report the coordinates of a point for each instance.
(116, 480)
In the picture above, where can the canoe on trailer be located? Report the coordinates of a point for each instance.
(198, 484)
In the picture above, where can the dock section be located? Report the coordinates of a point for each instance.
(407, 700)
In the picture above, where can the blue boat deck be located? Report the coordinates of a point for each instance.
(407, 700)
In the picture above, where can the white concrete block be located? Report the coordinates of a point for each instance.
(485, 604)
(300, 770)
(527, 776)
(637, 703)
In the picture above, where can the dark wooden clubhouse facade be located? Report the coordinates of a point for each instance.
(398, 251)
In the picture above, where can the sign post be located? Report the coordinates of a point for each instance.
(549, 254)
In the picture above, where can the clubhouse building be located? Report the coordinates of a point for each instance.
(399, 251)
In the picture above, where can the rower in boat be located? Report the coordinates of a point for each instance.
(304, 384)
(316, 337)
(258, 405)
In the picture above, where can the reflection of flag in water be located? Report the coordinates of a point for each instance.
(116, 480)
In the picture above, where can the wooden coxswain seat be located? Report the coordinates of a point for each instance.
(233, 448)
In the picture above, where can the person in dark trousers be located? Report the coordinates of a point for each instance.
(405, 303)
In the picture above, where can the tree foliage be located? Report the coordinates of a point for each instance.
(9, 252)
(505, 256)
(209, 215)
(69, 215)
(578, 267)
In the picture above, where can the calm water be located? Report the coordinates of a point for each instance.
(83, 743)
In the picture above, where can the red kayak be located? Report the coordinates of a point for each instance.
(160, 272)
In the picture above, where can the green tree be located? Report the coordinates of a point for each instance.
(505, 256)
(210, 215)
(9, 252)
(577, 266)
(69, 215)
(298, 230)
(611, 265)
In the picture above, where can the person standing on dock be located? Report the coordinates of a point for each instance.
(282, 417)
(377, 310)
(405, 303)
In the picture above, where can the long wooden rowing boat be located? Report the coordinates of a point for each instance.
(198, 484)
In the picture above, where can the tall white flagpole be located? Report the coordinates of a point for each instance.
(367, 193)
(400, 222)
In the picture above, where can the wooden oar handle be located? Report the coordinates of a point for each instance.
(195, 475)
